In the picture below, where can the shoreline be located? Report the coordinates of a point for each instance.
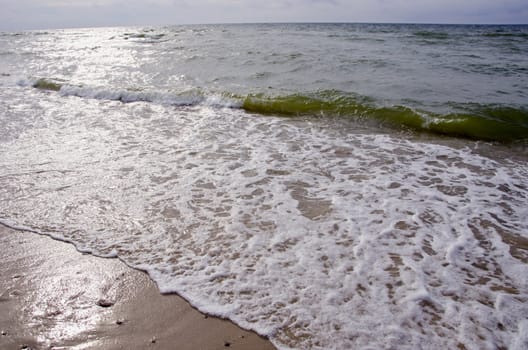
(54, 297)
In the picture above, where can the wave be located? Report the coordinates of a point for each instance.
(44, 84)
(145, 37)
(474, 121)
(480, 122)
(521, 35)
(431, 35)
(190, 97)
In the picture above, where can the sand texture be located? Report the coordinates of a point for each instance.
(53, 297)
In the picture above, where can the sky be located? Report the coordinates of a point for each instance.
(48, 14)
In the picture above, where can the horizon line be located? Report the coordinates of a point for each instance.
(263, 23)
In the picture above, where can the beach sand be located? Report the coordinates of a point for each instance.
(53, 297)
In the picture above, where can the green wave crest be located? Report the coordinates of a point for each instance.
(479, 122)
(45, 84)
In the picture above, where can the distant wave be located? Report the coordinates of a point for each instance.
(522, 35)
(477, 121)
(431, 35)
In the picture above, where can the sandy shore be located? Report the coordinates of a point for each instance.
(53, 297)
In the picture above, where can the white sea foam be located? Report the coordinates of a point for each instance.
(127, 96)
(190, 97)
(308, 232)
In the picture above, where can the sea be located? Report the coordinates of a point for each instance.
(329, 186)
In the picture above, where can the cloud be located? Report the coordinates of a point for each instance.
(30, 14)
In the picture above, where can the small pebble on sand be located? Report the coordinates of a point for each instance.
(105, 303)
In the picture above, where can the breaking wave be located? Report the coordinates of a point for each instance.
(474, 121)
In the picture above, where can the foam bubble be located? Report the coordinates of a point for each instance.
(306, 231)
(190, 97)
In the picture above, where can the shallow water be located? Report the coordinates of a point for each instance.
(320, 231)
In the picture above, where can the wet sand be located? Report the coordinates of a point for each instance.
(53, 297)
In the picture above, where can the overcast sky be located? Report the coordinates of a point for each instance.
(45, 14)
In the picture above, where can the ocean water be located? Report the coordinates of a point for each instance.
(330, 186)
